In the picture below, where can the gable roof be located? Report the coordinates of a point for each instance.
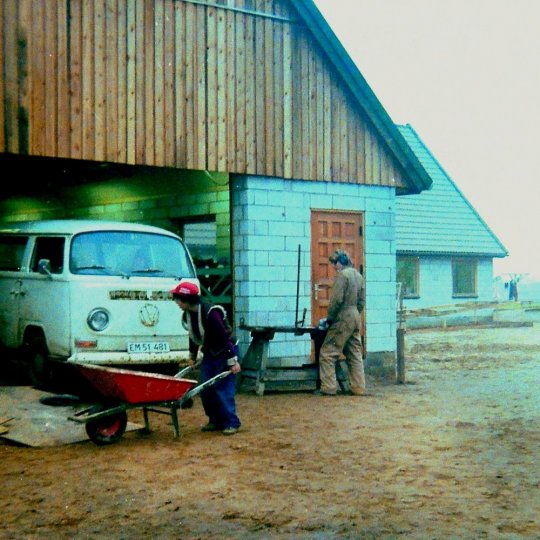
(368, 101)
(441, 220)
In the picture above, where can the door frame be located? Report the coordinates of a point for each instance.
(358, 256)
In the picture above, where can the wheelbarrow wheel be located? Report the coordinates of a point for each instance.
(107, 430)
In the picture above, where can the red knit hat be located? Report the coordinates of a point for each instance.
(185, 288)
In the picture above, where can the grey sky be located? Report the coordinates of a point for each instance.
(466, 75)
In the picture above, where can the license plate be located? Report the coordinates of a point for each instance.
(149, 347)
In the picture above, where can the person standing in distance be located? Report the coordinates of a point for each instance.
(209, 330)
(343, 336)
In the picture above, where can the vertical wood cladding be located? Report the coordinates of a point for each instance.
(237, 86)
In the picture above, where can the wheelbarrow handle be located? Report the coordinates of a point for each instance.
(92, 413)
(183, 372)
(198, 389)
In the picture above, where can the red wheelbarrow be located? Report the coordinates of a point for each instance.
(123, 389)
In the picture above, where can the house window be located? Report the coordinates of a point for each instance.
(464, 278)
(408, 274)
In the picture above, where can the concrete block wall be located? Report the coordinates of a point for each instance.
(436, 283)
(271, 217)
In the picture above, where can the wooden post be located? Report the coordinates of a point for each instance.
(400, 376)
(400, 336)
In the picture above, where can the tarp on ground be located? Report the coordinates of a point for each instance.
(29, 422)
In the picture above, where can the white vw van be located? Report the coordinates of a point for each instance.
(91, 291)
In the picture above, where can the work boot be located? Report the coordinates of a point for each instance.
(210, 427)
(361, 393)
(321, 393)
(230, 431)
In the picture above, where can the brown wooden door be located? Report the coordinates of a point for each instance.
(331, 231)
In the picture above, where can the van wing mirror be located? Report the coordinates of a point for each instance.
(44, 267)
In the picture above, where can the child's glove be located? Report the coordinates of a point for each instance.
(232, 361)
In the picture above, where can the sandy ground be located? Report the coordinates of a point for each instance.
(454, 453)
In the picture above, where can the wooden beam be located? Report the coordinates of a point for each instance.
(254, 13)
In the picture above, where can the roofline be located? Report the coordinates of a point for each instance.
(418, 253)
(501, 245)
(77, 226)
(418, 177)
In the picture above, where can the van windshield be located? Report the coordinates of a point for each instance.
(127, 254)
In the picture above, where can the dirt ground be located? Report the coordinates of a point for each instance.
(454, 453)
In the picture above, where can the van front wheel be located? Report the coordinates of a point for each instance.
(38, 363)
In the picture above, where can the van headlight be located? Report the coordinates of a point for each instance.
(98, 319)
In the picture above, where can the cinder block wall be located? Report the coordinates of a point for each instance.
(270, 219)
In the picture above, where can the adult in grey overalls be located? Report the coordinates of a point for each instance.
(343, 336)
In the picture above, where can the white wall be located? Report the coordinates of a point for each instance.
(436, 283)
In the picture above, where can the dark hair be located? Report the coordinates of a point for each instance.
(192, 299)
(340, 256)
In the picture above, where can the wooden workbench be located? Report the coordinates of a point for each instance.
(305, 377)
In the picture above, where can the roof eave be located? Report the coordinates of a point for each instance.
(498, 255)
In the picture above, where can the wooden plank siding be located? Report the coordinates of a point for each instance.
(12, 81)
(3, 123)
(239, 86)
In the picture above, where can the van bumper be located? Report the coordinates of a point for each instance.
(112, 358)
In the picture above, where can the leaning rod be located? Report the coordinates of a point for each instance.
(296, 321)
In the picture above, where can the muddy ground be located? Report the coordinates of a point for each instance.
(454, 453)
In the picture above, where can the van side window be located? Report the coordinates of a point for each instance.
(12, 252)
(51, 248)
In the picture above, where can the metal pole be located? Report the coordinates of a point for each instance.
(297, 287)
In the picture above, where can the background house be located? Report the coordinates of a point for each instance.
(444, 249)
(241, 124)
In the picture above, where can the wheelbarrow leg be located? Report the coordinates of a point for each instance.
(146, 420)
(174, 417)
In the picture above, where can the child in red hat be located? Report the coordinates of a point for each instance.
(210, 331)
